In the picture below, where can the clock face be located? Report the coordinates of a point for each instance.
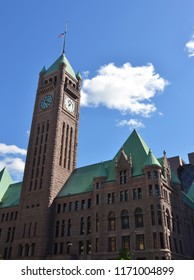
(69, 104)
(46, 102)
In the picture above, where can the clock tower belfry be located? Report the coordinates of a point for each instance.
(52, 150)
(52, 153)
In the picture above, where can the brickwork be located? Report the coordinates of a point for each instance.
(145, 213)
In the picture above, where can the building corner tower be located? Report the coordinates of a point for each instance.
(51, 156)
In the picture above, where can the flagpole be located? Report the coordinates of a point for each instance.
(64, 42)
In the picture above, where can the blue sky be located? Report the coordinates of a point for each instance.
(139, 52)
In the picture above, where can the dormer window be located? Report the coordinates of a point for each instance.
(123, 177)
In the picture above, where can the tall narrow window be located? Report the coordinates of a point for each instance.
(168, 219)
(140, 245)
(88, 247)
(112, 244)
(63, 228)
(57, 229)
(152, 214)
(111, 221)
(137, 193)
(159, 212)
(138, 217)
(123, 177)
(66, 146)
(62, 144)
(97, 222)
(162, 241)
(89, 225)
(154, 240)
(82, 225)
(81, 247)
(126, 242)
(69, 228)
(70, 148)
(124, 219)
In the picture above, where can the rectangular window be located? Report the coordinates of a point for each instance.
(83, 204)
(123, 177)
(89, 203)
(70, 206)
(124, 195)
(76, 205)
(155, 174)
(159, 211)
(81, 247)
(64, 207)
(97, 199)
(162, 241)
(149, 175)
(137, 193)
(55, 248)
(97, 245)
(150, 190)
(88, 247)
(121, 196)
(112, 244)
(58, 208)
(126, 242)
(140, 245)
(157, 190)
(110, 198)
(152, 214)
(154, 240)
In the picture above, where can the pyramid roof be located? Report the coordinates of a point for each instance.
(54, 67)
(151, 160)
(5, 181)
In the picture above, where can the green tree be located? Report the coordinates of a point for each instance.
(124, 254)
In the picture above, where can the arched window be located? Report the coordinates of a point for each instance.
(138, 217)
(111, 221)
(124, 219)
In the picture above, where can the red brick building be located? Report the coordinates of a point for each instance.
(133, 201)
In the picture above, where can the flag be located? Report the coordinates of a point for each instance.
(61, 35)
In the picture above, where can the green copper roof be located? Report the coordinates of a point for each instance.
(12, 195)
(187, 200)
(191, 192)
(54, 67)
(81, 180)
(78, 76)
(101, 171)
(174, 178)
(5, 181)
(137, 149)
(151, 160)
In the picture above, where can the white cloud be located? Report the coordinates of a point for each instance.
(127, 89)
(132, 123)
(11, 149)
(190, 46)
(13, 158)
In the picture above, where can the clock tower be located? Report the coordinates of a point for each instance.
(52, 152)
